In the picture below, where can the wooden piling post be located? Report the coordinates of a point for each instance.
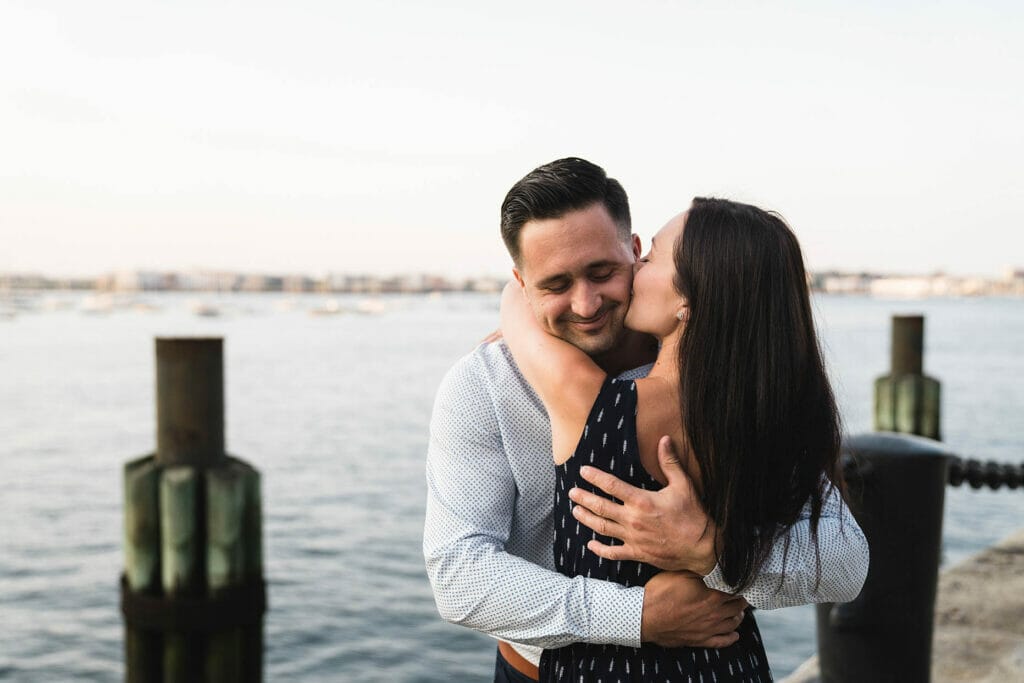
(225, 562)
(179, 548)
(143, 658)
(180, 553)
(193, 592)
(252, 634)
(906, 400)
(142, 524)
(190, 402)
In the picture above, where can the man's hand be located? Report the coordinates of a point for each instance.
(666, 528)
(680, 611)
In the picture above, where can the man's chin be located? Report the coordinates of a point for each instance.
(593, 344)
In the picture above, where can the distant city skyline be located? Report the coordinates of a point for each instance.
(321, 137)
(829, 282)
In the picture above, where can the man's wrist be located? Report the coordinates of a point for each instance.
(710, 565)
(712, 540)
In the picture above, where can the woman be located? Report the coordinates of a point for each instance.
(738, 386)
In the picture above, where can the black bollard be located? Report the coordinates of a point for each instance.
(897, 490)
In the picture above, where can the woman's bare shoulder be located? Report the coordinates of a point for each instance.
(657, 415)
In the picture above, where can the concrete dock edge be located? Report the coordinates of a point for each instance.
(979, 620)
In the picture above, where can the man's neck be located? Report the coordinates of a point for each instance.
(635, 349)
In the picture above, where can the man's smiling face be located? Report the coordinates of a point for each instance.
(577, 274)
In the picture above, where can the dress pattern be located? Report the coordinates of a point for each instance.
(609, 442)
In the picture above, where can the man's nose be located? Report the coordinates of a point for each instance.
(586, 300)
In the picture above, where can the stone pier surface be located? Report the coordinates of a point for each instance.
(979, 620)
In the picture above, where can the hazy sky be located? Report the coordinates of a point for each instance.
(381, 137)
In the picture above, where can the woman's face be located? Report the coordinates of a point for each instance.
(655, 300)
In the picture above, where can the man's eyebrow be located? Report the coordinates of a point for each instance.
(603, 264)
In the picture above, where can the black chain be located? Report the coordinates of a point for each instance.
(991, 473)
(978, 474)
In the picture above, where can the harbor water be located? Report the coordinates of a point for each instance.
(330, 399)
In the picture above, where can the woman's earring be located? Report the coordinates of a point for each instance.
(679, 315)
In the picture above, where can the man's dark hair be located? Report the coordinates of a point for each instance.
(555, 189)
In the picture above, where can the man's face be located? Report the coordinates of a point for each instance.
(577, 275)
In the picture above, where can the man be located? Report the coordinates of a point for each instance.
(488, 534)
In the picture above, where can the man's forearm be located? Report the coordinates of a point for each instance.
(478, 585)
(791, 575)
(471, 506)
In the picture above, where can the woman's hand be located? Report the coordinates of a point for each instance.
(667, 528)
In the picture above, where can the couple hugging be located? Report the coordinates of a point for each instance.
(650, 450)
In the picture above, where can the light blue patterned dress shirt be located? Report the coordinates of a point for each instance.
(489, 528)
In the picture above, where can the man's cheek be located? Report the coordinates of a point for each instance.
(624, 289)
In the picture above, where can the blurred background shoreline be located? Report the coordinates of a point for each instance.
(885, 285)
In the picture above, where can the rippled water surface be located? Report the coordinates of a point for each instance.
(333, 410)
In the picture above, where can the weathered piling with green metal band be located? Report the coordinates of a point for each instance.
(906, 400)
(896, 480)
(193, 594)
(897, 490)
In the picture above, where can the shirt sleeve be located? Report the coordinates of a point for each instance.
(471, 495)
(791, 574)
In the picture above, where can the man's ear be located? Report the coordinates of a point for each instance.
(518, 277)
(637, 250)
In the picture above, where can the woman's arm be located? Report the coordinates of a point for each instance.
(566, 379)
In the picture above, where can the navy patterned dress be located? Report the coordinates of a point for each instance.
(609, 442)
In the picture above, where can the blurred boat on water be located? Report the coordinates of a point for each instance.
(286, 305)
(11, 304)
(328, 307)
(204, 309)
(370, 307)
(52, 304)
(97, 304)
(145, 307)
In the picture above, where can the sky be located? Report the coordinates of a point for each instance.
(380, 137)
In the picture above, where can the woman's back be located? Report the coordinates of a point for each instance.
(609, 441)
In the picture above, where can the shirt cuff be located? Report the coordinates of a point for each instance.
(615, 613)
(716, 580)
